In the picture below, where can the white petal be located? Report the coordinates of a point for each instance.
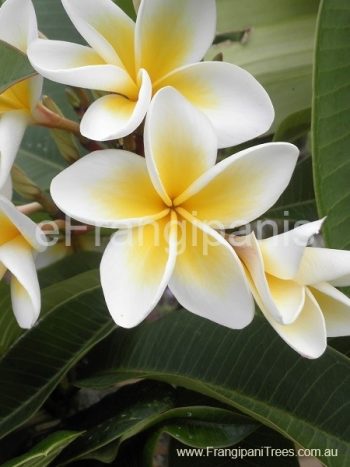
(77, 65)
(6, 190)
(242, 187)
(135, 270)
(106, 28)
(343, 281)
(237, 105)
(282, 253)
(209, 280)
(18, 25)
(25, 226)
(109, 188)
(170, 34)
(323, 265)
(335, 307)
(12, 127)
(115, 116)
(283, 299)
(307, 334)
(17, 257)
(180, 143)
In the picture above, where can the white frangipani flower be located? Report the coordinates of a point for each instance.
(294, 286)
(20, 238)
(167, 206)
(134, 61)
(18, 27)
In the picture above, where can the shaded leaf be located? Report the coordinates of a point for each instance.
(251, 369)
(74, 319)
(44, 452)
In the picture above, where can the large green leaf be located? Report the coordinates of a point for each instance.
(277, 49)
(331, 116)
(15, 66)
(9, 329)
(207, 427)
(74, 319)
(44, 452)
(64, 269)
(252, 370)
(155, 407)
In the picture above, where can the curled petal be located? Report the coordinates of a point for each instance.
(307, 334)
(17, 257)
(115, 116)
(21, 225)
(283, 253)
(282, 299)
(335, 307)
(324, 265)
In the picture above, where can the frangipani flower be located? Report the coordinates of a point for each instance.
(294, 286)
(166, 207)
(134, 61)
(20, 238)
(18, 27)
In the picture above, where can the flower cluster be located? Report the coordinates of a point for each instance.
(171, 205)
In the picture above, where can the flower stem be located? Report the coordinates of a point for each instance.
(47, 118)
(30, 208)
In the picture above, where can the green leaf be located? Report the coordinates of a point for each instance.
(277, 47)
(117, 418)
(297, 203)
(64, 269)
(138, 407)
(208, 426)
(9, 329)
(331, 116)
(73, 320)
(68, 267)
(44, 452)
(15, 66)
(294, 126)
(251, 370)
